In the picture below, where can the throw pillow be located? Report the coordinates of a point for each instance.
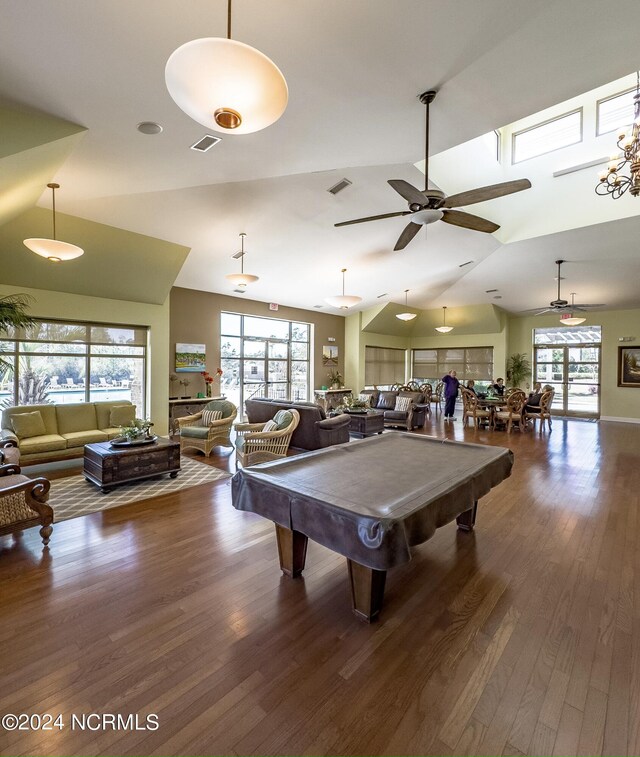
(270, 426)
(283, 419)
(209, 416)
(122, 415)
(403, 404)
(27, 425)
(365, 398)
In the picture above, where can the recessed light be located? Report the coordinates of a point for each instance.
(149, 127)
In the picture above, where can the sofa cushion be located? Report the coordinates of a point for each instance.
(103, 411)
(417, 397)
(395, 415)
(403, 404)
(79, 416)
(121, 415)
(48, 413)
(283, 419)
(46, 443)
(80, 438)
(227, 408)
(387, 400)
(27, 425)
(209, 416)
(112, 432)
(270, 426)
(195, 432)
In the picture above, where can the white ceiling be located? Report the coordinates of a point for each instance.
(354, 70)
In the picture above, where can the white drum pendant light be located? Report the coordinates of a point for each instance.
(53, 249)
(241, 279)
(343, 301)
(226, 85)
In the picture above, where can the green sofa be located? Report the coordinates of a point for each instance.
(67, 429)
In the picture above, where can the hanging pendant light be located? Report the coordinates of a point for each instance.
(226, 85)
(343, 301)
(444, 329)
(241, 279)
(53, 249)
(569, 319)
(406, 316)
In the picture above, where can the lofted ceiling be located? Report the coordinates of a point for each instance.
(354, 70)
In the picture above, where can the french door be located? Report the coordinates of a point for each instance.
(573, 370)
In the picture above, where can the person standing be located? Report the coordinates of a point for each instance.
(451, 385)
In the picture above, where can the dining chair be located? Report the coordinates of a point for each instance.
(471, 409)
(545, 411)
(514, 411)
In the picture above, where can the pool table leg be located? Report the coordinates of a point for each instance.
(292, 550)
(467, 520)
(367, 590)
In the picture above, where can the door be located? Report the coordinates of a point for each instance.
(573, 370)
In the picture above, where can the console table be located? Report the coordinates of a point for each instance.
(180, 408)
(330, 398)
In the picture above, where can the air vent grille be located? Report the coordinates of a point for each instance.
(342, 184)
(318, 307)
(462, 265)
(238, 255)
(490, 291)
(384, 294)
(206, 143)
(240, 291)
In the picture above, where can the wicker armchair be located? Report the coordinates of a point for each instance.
(471, 409)
(545, 411)
(514, 412)
(195, 435)
(23, 503)
(256, 446)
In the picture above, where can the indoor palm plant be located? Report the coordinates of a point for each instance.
(518, 368)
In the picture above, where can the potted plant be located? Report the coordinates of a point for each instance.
(13, 314)
(137, 431)
(518, 368)
(335, 379)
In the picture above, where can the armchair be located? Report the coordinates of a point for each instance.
(253, 445)
(23, 503)
(544, 413)
(514, 412)
(472, 409)
(195, 435)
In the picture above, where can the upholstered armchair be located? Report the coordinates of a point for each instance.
(196, 434)
(513, 414)
(472, 409)
(23, 503)
(255, 445)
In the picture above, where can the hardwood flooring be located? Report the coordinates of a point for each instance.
(521, 638)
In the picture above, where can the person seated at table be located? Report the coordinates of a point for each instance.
(451, 385)
(533, 400)
(498, 387)
(470, 386)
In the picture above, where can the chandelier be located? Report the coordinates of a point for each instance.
(611, 182)
(241, 279)
(226, 85)
(343, 301)
(53, 249)
(444, 329)
(406, 316)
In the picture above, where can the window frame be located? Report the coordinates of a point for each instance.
(465, 362)
(606, 99)
(516, 134)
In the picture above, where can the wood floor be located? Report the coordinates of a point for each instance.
(521, 638)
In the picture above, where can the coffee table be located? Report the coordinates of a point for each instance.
(366, 424)
(107, 466)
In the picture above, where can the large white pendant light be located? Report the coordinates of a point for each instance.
(226, 85)
(241, 279)
(406, 316)
(343, 301)
(53, 249)
(444, 329)
(569, 319)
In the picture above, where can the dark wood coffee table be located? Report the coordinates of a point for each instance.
(366, 424)
(107, 466)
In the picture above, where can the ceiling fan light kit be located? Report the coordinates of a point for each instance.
(444, 329)
(241, 279)
(343, 301)
(226, 85)
(54, 250)
(406, 316)
(562, 306)
(570, 320)
(427, 206)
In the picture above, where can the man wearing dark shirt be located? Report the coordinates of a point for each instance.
(451, 385)
(498, 387)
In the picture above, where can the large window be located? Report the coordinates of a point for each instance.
(614, 111)
(383, 366)
(63, 362)
(547, 137)
(476, 363)
(264, 357)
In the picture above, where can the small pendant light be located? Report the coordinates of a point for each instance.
(241, 279)
(343, 301)
(406, 316)
(53, 249)
(444, 329)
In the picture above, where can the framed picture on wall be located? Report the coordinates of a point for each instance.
(329, 355)
(629, 366)
(190, 358)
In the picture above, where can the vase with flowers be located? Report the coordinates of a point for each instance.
(335, 379)
(209, 379)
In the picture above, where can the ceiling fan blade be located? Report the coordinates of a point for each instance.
(486, 193)
(582, 306)
(408, 191)
(410, 230)
(373, 218)
(468, 221)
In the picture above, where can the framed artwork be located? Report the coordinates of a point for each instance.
(329, 355)
(190, 358)
(629, 366)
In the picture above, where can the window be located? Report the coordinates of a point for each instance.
(475, 363)
(568, 335)
(63, 362)
(547, 137)
(615, 111)
(264, 357)
(384, 366)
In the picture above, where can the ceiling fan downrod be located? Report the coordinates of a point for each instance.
(426, 98)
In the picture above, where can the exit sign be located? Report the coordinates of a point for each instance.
(273, 306)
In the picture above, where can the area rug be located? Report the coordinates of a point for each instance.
(74, 496)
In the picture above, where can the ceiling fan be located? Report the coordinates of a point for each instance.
(559, 305)
(429, 205)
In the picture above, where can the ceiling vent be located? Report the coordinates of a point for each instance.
(462, 265)
(385, 294)
(490, 291)
(206, 143)
(342, 184)
(238, 255)
(318, 307)
(240, 291)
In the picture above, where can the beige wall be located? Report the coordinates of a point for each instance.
(82, 308)
(195, 317)
(616, 402)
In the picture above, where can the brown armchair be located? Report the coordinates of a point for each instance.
(23, 503)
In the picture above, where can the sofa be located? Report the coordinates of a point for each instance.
(413, 417)
(63, 430)
(314, 431)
